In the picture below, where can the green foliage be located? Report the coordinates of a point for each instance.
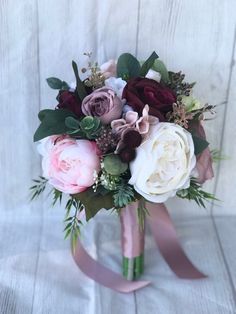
(113, 165)
(123, 195)
(127, 66)
(89, 127)
(199, 144)
(57, 196)
(56, 83)
(38, 187)
(147, 65)
(80, 88)
(195, 193)
(217, 156)
(160, 67)
(72, 222)
(52, 123)
(93, 202)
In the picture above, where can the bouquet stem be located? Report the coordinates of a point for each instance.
(132, 240)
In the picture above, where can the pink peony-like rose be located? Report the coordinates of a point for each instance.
(103, 104)
(69, 164)
(108, 69)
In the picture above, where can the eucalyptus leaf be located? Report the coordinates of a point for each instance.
(160, 67)
(128, 66)
(56, 83)
(147, 65)
(72, 123)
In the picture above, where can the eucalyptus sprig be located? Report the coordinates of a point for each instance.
(195, 193)
(72, 222)
(38, 187)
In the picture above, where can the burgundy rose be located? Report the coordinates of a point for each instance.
(141, 91)
(68, 100)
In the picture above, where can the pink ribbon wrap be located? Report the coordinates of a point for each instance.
(132, 237)
(165, 237)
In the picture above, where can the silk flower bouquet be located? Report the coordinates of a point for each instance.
(126, 138)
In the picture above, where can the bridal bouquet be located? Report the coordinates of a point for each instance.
(126, 137)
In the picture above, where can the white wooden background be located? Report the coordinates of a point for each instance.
(38, 39)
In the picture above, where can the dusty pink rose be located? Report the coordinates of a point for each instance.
(103, 104)
(204, 160)
(69, 164)
(108, 69)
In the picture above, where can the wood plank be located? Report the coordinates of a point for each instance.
(226, 227)
(169, 294)
(195, 37)
(225, 187)
(19, 98)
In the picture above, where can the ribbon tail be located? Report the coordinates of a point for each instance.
(166, 239)
(102, 274)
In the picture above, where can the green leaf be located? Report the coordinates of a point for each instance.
(72, 123)
(199, 144)
(56, 83)
(128, 66)
(147, 65)
(52, 123)
(113, 165)
(80, 89)
(160, 67)
(93, 202)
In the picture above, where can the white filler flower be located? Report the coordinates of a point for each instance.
(164, 162)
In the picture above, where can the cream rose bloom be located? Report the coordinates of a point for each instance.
(163, 163)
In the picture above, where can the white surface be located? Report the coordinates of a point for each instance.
(39, 39)
(38, 274)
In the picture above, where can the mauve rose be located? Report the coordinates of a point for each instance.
(68, 100)
(141, 91)
(103, 104)
(204, 160)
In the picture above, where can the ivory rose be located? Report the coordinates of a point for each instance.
(69, 164)
(164, 162)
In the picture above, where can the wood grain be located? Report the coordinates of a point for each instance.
(226, 179)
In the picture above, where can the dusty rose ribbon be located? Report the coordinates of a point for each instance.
(167, 242)
(132, 237)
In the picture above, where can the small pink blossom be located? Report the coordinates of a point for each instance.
(108, 69)
(69, 164)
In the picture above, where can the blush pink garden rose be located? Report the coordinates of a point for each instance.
(108, 69)
(104, 104)
(69, 164)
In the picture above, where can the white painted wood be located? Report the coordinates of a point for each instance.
(19, 101)
(195, 37)
(226, 181)
(226, 227)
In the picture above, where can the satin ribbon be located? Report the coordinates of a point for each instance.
(167, 242)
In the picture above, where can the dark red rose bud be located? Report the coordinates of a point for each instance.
(141, 91)
(131, 138)
(127, 154)
(68, 100)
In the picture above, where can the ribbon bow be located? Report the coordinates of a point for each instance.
(166, 239)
